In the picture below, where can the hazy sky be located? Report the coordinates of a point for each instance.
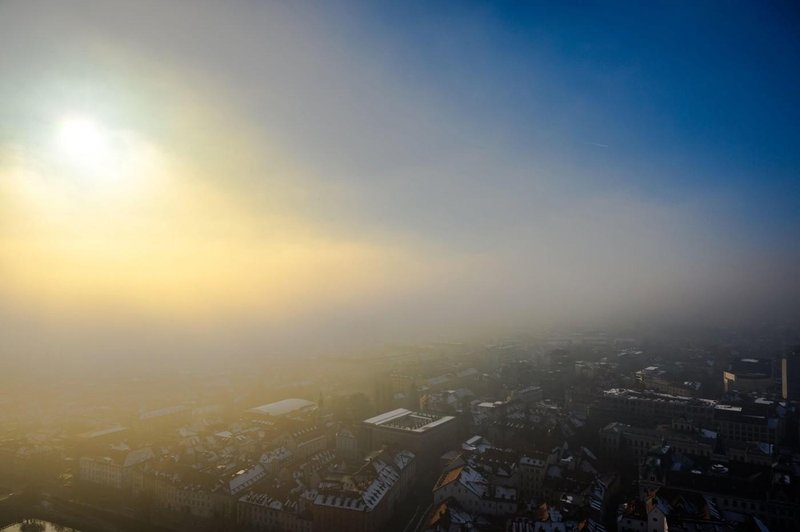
(288, 177)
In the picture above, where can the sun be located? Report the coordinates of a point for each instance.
(84, 143)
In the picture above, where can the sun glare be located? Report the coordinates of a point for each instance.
(84, 143)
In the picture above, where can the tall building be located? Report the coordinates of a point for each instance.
(790, 374)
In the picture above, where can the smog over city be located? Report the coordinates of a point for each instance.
(403, 266)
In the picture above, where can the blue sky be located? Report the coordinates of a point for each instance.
(671, 98)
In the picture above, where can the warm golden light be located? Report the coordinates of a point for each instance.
(114, 217)
(85, 143)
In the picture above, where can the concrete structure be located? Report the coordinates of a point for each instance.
(427, 435)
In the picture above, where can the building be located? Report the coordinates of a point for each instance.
(670, 509)
(759, 420)
(769, 493)
(113, 468)
(97, 440)
(625, 440)
(284, 408)
(745, 382)
(753, 365)
(742, 424)
(790, 375)
(529, 395)
(183, 491)
(366, 499)
(308, 441)
(660, 380)
(449, 516)
(746, 375)
(260, 511)
(532, 468)
(649, 407)
(346, 444)
(474, 492)
(447, 401)
(427, 435)
(274, 459)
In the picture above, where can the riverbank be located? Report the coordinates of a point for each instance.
(19, 506)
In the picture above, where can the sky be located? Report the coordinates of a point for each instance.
(259, 178)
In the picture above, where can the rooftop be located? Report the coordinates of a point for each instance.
(285, 407)
(407, 420)
(650, 395)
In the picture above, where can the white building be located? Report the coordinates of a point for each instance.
(113, 468)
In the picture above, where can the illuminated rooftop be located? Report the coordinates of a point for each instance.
(407, 420)
(285, 407)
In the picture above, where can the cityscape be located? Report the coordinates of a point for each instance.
(575, 431)
(342, 266)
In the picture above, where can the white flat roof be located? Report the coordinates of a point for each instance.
(393, 419)
(281, 408)
(387, 416)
